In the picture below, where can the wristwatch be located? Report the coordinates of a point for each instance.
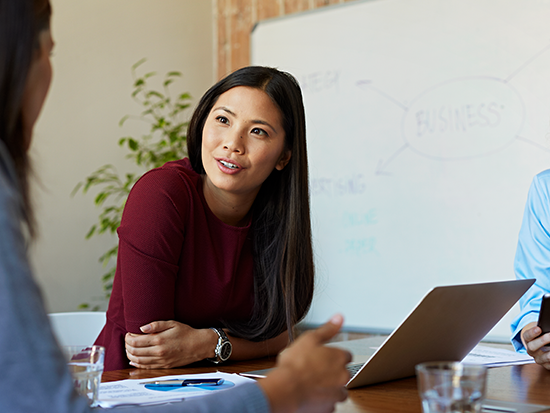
(223, 347)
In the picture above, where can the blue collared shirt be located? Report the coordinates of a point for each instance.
(533, 254)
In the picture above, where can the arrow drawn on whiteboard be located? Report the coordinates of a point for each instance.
(527, 63)
(382, 165)
(530, 142)
(367, 84)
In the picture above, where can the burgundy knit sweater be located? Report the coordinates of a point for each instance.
(176, 261)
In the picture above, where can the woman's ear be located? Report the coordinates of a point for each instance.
(283, 160)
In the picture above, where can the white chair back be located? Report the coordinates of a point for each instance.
(79, 328)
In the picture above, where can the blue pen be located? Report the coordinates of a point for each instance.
(186, 382)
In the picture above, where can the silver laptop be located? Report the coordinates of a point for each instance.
(445, 326)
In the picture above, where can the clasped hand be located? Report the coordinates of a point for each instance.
(168, 344)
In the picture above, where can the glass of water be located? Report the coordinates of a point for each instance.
(86, 367)
(451, 387)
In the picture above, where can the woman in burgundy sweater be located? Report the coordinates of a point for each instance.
(215, 257)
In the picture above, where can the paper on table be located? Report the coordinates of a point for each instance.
(496, 357)
(498, 406)
(363, 349)
(133, 391)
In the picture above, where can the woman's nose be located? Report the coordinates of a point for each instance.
(234, 143)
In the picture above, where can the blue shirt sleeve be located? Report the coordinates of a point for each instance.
(533, 254)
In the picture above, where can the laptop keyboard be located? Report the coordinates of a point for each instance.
(354, 368)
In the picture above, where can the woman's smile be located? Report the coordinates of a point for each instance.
(228, 166)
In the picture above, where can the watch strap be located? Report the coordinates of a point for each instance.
(222, 341)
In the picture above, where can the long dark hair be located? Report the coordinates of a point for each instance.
(281, 228)
(21, 21)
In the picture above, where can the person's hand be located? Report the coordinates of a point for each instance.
(167, 344)
(535, 343)
(309, 377)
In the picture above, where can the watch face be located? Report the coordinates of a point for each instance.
(225, 351)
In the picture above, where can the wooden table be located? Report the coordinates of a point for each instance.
(522, 384)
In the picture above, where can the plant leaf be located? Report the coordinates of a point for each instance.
(163, 139)
(138, 63)
(124, 118)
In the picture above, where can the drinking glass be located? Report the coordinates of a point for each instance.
(86, 367)
(451, 387)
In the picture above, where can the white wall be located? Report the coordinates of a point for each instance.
(97, 42)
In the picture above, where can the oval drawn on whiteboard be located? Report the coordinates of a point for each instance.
(464, 118)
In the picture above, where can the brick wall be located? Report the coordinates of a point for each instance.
(234, 20)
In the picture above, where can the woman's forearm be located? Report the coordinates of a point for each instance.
(245, 349)
(168, 344)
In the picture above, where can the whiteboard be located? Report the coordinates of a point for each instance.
(427, 120)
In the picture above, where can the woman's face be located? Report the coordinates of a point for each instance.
(243, 141)
(38, 84)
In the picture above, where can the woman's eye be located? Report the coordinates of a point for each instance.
(222, 119)
(258, 131)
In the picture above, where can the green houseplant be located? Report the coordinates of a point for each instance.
(165, 119)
